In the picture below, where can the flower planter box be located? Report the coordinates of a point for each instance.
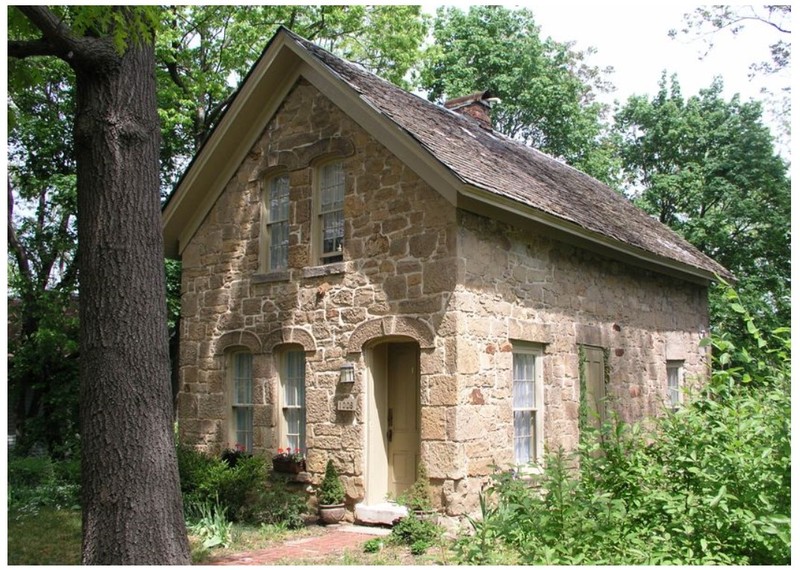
(288, 466)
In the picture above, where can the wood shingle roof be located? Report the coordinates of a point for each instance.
(493, 163)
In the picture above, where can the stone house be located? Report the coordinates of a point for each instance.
(380, 280)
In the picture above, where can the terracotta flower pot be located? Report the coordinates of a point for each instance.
(331, 514)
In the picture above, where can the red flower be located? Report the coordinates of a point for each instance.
(280, 450)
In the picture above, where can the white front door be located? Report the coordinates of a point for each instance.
(403, 417)
(393, 433)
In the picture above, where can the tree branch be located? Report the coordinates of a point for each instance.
(13, 241)
(54, 31)
(65, 44)
(33, 48)
(214, 112)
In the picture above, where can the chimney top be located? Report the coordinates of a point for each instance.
(476, 106)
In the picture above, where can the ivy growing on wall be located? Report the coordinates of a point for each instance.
(583, 412)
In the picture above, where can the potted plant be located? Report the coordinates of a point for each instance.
(288, 461)
(331, 496)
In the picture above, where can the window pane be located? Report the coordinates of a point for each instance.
(243, 419)
(524, 381)
(523, 437)
(279, 199)
(332, 187)
(331, 212)
(243, 378)
(294, 371)
(673, 385)
(524, 405)
(332, 232)
(279, 246)
(277, 223)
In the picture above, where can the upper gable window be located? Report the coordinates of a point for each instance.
(276, 209)
(330, 224)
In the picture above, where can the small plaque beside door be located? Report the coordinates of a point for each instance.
(346, 404)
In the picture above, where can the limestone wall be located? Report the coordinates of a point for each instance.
(460, 285)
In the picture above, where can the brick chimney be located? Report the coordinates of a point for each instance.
(476, 106)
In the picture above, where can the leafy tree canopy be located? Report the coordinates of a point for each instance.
(707, 167)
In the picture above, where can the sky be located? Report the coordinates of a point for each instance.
(633, 38)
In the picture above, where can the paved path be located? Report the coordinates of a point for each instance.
(336, 540)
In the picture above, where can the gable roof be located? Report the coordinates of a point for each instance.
(468, 164)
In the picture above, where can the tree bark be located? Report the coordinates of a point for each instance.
(132, 507)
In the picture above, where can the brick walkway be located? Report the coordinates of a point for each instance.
(335, 540)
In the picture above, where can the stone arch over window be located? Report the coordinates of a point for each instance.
(307, 152)
(243, 339)
(289, 335)
(391, 326)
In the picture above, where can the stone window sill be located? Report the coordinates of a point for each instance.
(324, 270)
(271, 277)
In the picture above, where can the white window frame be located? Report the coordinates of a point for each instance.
(324, 208)
(292, 397)
(241, 427)
(674, 384)
(535, 407)
(275, 220)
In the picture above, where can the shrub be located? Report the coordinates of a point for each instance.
(275, 505)
(418, 496)
(238, 482)
(36, 482)
(331, 490)
(420, 533)
(30, 471)
(373, 545)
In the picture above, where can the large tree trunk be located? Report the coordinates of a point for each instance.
(132, 509)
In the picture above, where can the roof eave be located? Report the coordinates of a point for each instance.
(470, 195)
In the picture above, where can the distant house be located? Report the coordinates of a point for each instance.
(380, 280)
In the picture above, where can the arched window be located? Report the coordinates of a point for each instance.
(241, 387)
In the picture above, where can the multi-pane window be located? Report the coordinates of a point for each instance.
(331, 212)
(242, 399)
(527, 405)
(277, 203)
(293, 399)
(674, 382)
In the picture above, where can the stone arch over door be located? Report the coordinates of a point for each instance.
(411, 327)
